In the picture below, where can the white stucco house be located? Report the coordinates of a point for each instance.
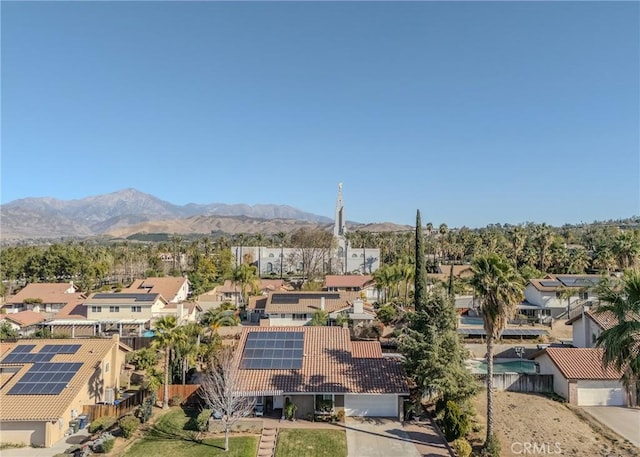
(579, 377)
(546, 297)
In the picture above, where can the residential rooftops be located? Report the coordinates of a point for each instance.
(581, 363)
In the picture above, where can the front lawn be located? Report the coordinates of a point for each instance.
(173, 436)
(311, 443)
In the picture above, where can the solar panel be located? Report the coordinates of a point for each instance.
(550, 283)
(506, 332)
(134, 297)
(45, 378)
(293, 298)
(273, 351)
(27, 357)
(23, 348)
(60, 348)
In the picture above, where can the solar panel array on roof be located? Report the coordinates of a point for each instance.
(550, 283)
(283, 299)
(45, 379)
(134, 297)
(505, 332)
(578, 281)
(273, 351)
(60, 348)
(22, 354)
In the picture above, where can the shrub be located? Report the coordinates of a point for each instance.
(454, 422)
(462, 447)
(491, 447)
(108, 444)
(176, 400)
(128, 424)
(103, 423)
(340, 415)
(202, 420)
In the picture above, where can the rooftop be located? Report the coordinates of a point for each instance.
(581, 363)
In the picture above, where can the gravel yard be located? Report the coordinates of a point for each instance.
(544, 427)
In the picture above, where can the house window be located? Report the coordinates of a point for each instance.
(558, 295)
(299, 317)
(114, 309)
(584, 295)
(327, 397)
(354, 255)
(271, 255)
(96, 309)
(282, 316)
(136, 309)
(106, 367)
(269, 267)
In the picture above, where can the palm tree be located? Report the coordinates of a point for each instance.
(500, 287)
(244, 275)
(621, 343)
(165, 340)
(259, 237)
(281, 237)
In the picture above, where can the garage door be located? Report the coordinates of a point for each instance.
(600, 396)
(371, 405)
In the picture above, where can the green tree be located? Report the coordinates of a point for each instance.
(319, 318)
(500, 288)
(621, 343)
(165, 340)
(244, 275)
(434, 355)
(7, 332)
(420, 272)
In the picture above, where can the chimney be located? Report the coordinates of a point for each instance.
(322, 303)
(358, 306)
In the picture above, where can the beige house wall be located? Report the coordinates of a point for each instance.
(29, 433)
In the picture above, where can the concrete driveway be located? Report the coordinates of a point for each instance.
(382, 437)
(624, 421)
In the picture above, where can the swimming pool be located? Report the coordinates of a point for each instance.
(471, 320)
(503, 366)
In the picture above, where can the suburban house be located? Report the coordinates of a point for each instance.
(297, 308)
(307, 365)
(232, 293)
(46, 383)
(24, 323)
(172, 289)
(579, 377)
(556, 295)
(357, 312)
(588, 325)
(44, 297)
(124, 313)
(364, 284)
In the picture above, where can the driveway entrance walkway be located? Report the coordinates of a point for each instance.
(381, 437)
(624, 421)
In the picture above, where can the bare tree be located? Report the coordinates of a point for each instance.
(220, 391)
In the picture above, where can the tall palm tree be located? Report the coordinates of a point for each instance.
(244, 275)
(281, 237)
(500, 288)
(621, 343)
(165, 340)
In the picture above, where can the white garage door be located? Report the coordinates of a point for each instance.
(371, 405)
(592, 394)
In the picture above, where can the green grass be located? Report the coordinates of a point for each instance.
(311, 443)
(173, 436)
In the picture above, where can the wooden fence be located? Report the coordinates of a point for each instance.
(123, 407)
(188, 393)
(136, 342)
(520, 382)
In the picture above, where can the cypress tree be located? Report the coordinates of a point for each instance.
(420, 285)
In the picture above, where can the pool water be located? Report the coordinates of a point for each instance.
(471, 321)
(512, 366)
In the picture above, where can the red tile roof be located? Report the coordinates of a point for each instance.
(25, 318)
(366, 350)
(49, 292)
(581, 363)
(328, 366)
(308, 302)
(168, 286)
(347, 281)
(607, 320)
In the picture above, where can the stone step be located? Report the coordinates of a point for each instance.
(269, 431)
(265, 452)
(268, 438)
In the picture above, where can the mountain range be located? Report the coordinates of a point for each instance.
(127, 212)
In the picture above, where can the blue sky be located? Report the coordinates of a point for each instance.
(475, 113)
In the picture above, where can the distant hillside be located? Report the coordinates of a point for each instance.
(127, 212)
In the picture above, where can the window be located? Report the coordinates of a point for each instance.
(299, 317)
(584, 295)
(96, 309)
(282, 316)
(269, 267)
(106, 367)
(271, 255)
(114, 309)
(136, 309)
(558, 295)
(354, 255)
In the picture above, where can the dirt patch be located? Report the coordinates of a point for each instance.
(544, 426)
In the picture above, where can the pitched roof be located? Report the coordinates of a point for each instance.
(366, 350)
(52, 407)
(328, 365)
(605, 319)
(350, 281)
(564, 281)
(25, 318)
(122, 298)
(167, 286)
(581, 363)
(307, 302)
(47, 291)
